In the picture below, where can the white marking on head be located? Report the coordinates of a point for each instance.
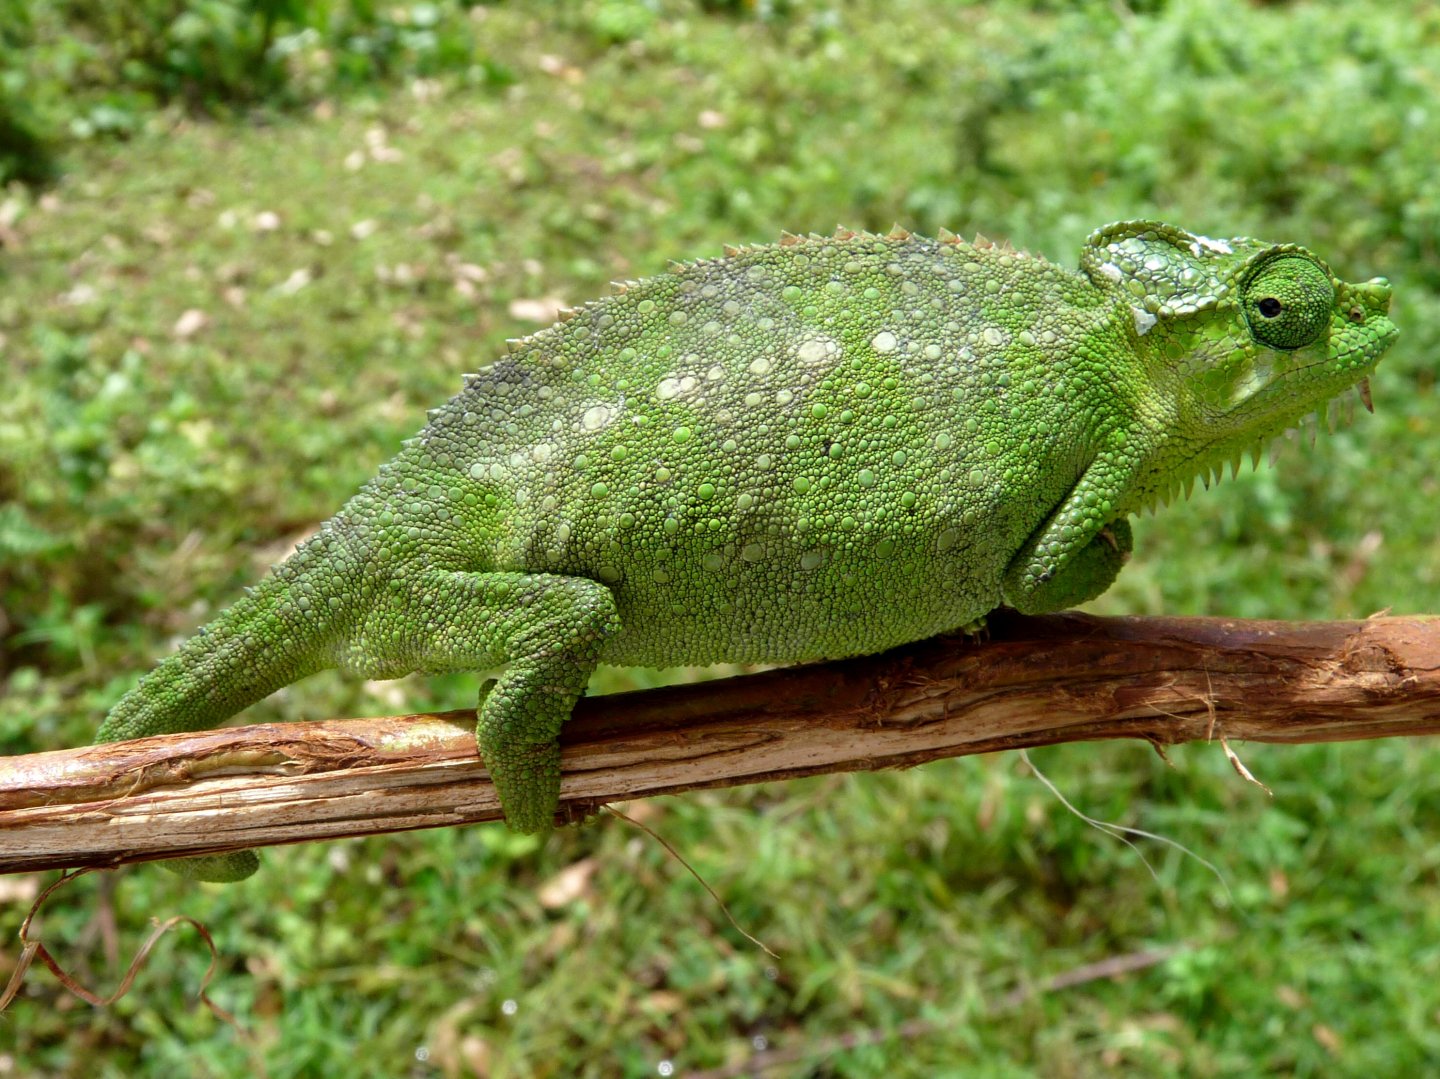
(1144, 320)
(1219, 247)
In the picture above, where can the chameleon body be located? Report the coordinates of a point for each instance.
(814, 449)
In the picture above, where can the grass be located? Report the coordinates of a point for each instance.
(214, 332)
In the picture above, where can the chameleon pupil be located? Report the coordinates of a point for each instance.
(1270, 307)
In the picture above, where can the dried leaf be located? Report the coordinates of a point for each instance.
(567, 885)
(190, 323)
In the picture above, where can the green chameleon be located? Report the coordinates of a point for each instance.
(820, 448)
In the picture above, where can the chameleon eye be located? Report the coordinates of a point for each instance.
(1288, 302)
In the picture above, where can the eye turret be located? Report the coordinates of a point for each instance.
(1288, 302)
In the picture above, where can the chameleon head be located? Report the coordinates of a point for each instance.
(1246, 336)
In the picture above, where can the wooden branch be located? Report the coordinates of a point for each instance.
(1034, 681)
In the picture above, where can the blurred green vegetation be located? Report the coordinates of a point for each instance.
(262, 237)
(75, 70)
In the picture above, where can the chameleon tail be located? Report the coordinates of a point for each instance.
(283, 630)
(280, 632)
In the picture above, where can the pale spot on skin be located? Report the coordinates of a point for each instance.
(817, 350)
(597, 416)
(1144, 320)
(884, 342)
(1112, 272)
(676, 386)
(761, 365)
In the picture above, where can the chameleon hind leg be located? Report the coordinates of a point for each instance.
(545, 630)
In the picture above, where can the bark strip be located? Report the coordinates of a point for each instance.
(1032, 682)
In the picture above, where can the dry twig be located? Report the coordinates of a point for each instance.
(1034, 681)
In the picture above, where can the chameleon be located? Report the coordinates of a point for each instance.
(813, 449)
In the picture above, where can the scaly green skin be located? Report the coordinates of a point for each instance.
(815, 449)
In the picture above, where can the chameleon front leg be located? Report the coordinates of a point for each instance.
(547, 632)
(1083, 576)
(1075, 556)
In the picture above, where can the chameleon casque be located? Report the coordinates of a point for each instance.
(814, 449)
